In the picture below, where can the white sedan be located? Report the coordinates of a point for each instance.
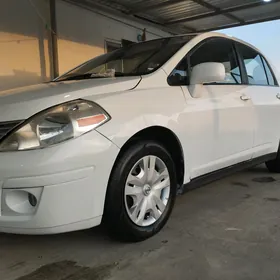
(116, 138)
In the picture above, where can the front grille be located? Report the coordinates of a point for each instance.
(6, 127)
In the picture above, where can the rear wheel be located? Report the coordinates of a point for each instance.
(274, 165)
(141, 192)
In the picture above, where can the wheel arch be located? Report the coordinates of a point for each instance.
(168, 139)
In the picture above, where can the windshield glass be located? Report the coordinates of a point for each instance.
(136, 59)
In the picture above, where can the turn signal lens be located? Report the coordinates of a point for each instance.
(56, 125)
(93, 120)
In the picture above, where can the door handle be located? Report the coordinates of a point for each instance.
(278, 95)
(244, 97)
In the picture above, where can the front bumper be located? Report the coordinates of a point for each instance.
(67, 183)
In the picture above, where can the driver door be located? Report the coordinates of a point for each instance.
(221, 119)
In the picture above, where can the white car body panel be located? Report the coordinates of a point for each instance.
(266, 110)
(22, 103)
(220, 105)
(70, 179)
(73, 176)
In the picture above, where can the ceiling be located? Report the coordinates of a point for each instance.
(191, 16)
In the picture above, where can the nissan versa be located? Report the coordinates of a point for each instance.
(116, 138)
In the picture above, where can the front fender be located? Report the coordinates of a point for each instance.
(136, 110)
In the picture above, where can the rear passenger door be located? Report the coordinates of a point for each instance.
(264, 93)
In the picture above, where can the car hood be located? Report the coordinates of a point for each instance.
(22, 103)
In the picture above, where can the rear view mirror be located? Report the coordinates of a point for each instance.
(207, 73)
(203, 73)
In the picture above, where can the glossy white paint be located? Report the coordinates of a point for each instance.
(224, 125)
(22, 103)
(73, 175)
(205, 73)
(266, 109)
(208, 72)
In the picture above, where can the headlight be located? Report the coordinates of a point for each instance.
(55, 125)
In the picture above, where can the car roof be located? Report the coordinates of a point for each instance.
(216, 34)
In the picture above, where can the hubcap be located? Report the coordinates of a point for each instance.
(147, 190)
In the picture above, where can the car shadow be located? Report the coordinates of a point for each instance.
(96, 235)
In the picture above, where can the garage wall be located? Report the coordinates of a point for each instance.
(82, 33)
(24, 53)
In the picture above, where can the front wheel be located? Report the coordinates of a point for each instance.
(141, 192)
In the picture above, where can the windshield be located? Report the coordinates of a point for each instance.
(136, 59)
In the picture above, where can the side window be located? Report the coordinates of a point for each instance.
(269, 74)
(179, 76)
(254, 66)
(218, 50)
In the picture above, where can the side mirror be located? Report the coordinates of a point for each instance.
(207, 73)
(203, 73)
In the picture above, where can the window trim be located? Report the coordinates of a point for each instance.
(233, 49)
(244, 70)
(271, 71)
(187, 61)
(239, 59)
(168, 81)
(264, 70)
(245, 80)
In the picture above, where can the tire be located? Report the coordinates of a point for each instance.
(274, 165)
(120, 208)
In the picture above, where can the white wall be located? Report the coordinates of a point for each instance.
(25, 33)
(24, 53)
(82, 33)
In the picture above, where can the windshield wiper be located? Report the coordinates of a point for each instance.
(95, 76)
(76, 77)
(110, 73)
